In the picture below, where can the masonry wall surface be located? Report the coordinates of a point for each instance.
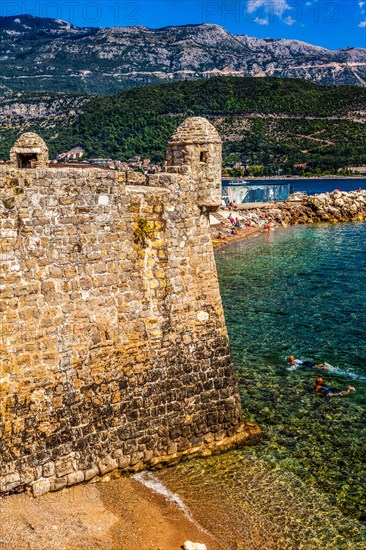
(113, 348)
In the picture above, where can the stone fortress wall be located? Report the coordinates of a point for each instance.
(113, 346)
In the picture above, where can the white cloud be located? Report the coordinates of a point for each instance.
(289, 20)
(254, 5)
(267, 9)
(261, 21)
(361, 5)
(275, 6)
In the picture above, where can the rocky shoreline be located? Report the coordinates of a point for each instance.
(333, 207)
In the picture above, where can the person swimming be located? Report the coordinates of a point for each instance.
(298, 362)
(324, 391)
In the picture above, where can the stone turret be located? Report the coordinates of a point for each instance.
(29, 151)
(195, 149)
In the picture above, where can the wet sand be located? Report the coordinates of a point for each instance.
(121, 514)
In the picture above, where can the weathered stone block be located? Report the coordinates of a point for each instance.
(136, 458)
(124, 461)
(41, 487)
(64, 466)
(75, 477)
(9, 482)
(58, 483)
(49, 469)
(172, 448)
(107, 464)
(91, 473)
(148, 455)
(26, 477)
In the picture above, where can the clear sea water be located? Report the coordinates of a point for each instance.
(299, 291)
(314, 186)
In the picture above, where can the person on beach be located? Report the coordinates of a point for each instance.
(237, 222)
(324, 391)
(298, 362)
(232, 219)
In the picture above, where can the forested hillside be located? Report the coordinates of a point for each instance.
(46, 113)
(272, 122)
(263, 121)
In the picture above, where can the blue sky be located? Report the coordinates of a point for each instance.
(328, 23)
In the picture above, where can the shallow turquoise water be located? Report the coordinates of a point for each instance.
(302, 291)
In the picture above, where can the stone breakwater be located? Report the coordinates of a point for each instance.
(114, 352)
(333, 207)
(336, 206)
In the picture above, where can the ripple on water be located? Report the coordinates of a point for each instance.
(299, 291)
(302, 291)
(248, 504)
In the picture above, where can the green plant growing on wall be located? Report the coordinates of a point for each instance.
(144, 230)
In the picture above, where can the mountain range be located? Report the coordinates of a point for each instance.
(42, 54)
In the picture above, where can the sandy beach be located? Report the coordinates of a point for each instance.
(221, 228)
(118, 514)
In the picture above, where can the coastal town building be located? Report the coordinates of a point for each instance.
(361, 170)
(76, 153)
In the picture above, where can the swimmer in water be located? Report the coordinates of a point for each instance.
(325, 391)
(298, 362)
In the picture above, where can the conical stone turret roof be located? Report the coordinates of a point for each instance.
(195, 130)
(30, 140)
